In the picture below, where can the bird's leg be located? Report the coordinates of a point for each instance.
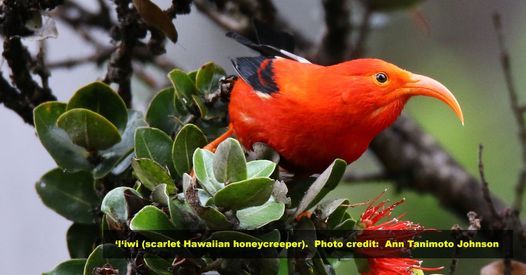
(213, 145)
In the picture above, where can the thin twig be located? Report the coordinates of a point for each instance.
(76, 16)
(98, 58)
(455, 230)
(485, 189)
(240, 23)
(41, 68)
(463, 235)
(516, 108)
(223, 20)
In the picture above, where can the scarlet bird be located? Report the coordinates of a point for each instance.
(311, 114)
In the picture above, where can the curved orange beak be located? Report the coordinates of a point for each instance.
(426, 86)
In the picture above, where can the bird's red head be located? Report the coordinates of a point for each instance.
(382, 89)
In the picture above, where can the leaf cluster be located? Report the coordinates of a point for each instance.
(120, 171)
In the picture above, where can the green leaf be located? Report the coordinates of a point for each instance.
(204, 171)
(182, 215)
(106, 254)
(154, 144)
(153, 16)
(242, 194)
(186, 142)
(115, 205)
(82, 239)
(183, 85)
(162, 113)
(192, 75)
(200, 105)
(322, 185)
(204, 197)
(334, 207)
(56, 141)
(260, 168)
(158, 265)
(229, 162)
(101, 99)
(151, 173)
(207, 78)
(258, 216)
(89, 129)
(118, 153)
(151, 218)
(335, 212)
(346, 225)
(74, 266)
(71, 195)
(160, 195)
(215, 220)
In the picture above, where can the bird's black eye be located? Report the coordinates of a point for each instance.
(381, 77)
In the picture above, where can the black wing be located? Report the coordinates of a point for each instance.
(258, 71)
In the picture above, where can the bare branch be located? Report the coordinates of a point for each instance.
(424, 166)
(129, 30)
(98, 58)
(516, 108)
(15, 101)
(240, 23)
(40, 67)
(485, 189)
(335, 43)
(76, 16)
(373, 177)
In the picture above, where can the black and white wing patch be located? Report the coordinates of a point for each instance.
(266, 50)
(257, 72)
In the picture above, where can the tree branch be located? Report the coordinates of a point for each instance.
(418, 162)
(358, 49)
(27, 91)
(335, 42)
(239, 22)
(485, 189)
(127, 33)
(517, 110)
(15, 101)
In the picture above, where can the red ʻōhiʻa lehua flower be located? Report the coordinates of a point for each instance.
(382, 260)
(312, 114)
